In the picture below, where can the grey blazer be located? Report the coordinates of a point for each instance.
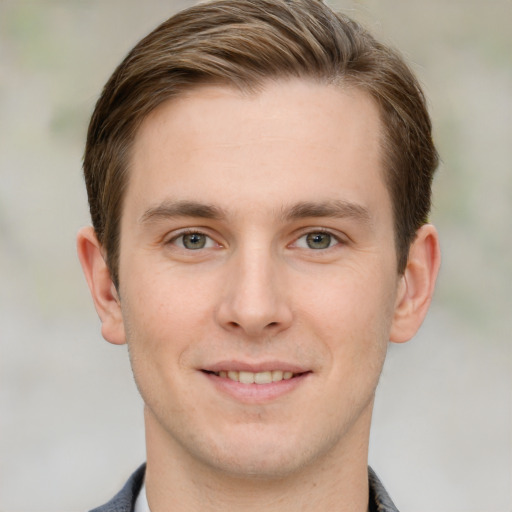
(124, 500)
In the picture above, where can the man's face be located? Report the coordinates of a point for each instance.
(257, 245)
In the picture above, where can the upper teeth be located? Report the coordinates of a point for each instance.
(256, 378)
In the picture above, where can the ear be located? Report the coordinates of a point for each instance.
(103, 291)
(416, 285)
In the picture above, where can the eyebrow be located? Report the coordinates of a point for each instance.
(335, 209)
(169, 209)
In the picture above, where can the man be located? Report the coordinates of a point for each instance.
(259, 178)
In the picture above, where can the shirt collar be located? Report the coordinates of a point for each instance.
(141, 504)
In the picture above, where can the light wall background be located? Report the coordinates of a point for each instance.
(71, 426)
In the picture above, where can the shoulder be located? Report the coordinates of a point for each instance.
(124, 500)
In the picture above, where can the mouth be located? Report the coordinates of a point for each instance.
(257, 384)
(247, 377)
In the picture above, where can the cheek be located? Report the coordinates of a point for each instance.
(352, 300)
(351, 315)
(162, 321)
(166, 302)
(156, 344)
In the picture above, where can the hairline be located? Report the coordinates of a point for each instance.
(377, 70)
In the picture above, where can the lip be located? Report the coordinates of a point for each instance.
(255, 393)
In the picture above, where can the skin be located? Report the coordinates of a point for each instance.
(285, 189)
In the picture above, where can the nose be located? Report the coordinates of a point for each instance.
(254, 300)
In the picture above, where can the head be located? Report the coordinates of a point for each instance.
(246, 44)
(259, 176)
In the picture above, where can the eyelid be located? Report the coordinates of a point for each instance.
(338, 237)
(175, 235)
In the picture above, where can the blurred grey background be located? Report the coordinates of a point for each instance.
(71, 426)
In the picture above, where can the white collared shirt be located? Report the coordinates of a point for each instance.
(141, 504)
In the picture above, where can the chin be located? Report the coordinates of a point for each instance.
(257, 456)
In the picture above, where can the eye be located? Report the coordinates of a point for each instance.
(316, 240)
(193, 241)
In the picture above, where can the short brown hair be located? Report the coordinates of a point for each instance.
(244, 43)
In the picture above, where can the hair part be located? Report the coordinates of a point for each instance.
(245, 43)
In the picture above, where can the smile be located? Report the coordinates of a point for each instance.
(246, 377)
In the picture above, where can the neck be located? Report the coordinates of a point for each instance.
(337, 481)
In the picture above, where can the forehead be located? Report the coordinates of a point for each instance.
(288, 141)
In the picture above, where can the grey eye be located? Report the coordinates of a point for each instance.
(194, 241)
(318, 240)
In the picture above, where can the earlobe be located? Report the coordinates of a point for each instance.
(416, 286)
(103, 291)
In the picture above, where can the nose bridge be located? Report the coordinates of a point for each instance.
(255, 299)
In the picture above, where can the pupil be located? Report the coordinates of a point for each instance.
(318, 240)
(194, 241)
